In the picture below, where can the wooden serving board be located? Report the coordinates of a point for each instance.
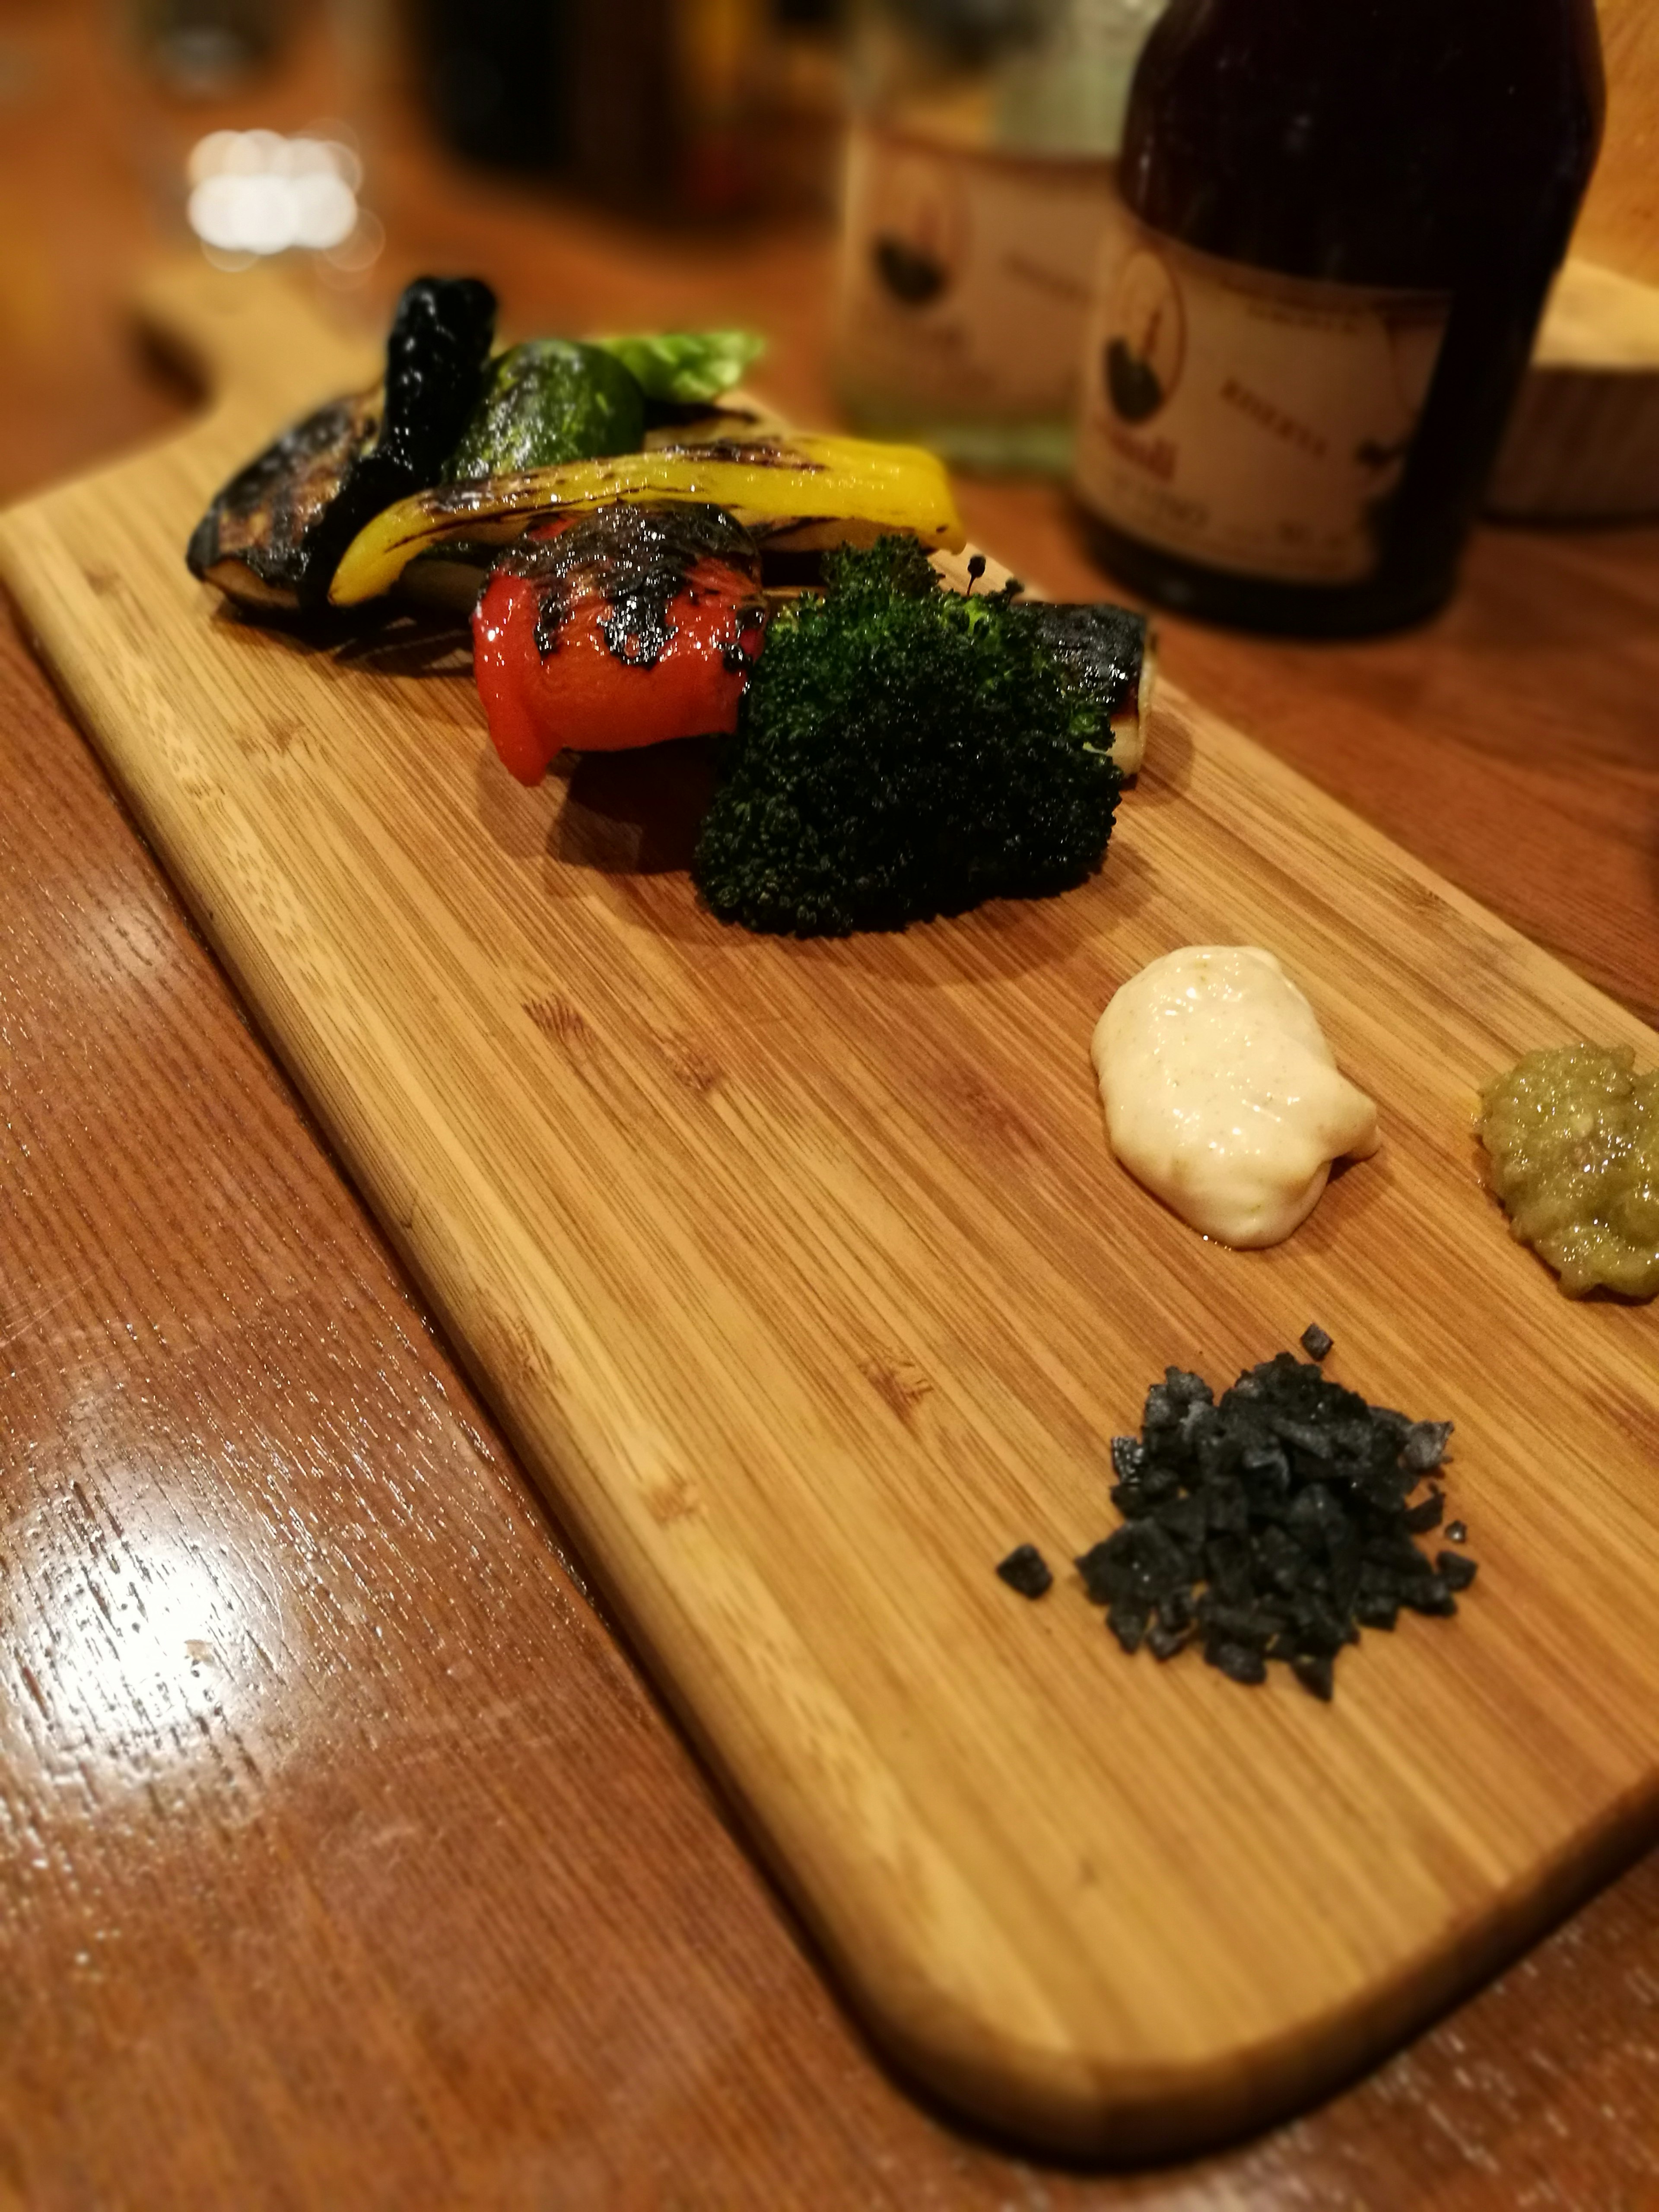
(803, 1277)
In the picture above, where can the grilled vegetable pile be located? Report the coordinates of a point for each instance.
(623, 529)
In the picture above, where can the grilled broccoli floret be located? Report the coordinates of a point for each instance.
(903, 751)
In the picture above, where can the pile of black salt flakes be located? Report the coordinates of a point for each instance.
(1275, 1524)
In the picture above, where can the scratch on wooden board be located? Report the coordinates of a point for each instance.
(32, 1318)
(900, 1382)
(558, 1019)
(674, 1499)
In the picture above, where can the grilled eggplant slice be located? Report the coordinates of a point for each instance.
(273, 535)
(1112, 653)
(256, 542)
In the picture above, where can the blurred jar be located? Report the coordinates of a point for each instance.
(978, 178)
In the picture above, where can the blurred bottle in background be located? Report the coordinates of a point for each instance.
(492, 75)
(676, 109)
(657, 98)
(803, 120)
(977, 183)
(1317, 295)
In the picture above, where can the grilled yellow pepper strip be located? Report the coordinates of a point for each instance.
(769, 486)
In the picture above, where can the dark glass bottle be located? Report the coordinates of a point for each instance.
(1341, 220)
(493, 77)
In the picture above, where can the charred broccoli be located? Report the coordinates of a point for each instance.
(903, 751)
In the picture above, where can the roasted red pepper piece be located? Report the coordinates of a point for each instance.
(622, 628)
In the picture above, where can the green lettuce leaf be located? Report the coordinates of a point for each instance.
(686, 366)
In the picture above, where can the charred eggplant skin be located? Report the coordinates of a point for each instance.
(434, 373)
(1112, 653)
(286, 518)
(1101, 646)
(253, 541)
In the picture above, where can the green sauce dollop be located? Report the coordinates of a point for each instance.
(1572, 1136)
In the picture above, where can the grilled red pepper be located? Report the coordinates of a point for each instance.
(619, 628)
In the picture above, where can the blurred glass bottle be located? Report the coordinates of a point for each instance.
(657, 98)
(977, 181)
(1316, 296)
(649, 105)
(493, 76)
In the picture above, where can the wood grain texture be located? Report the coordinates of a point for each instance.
(1582, 443)
(683, 2052)
(499, 1948)
(795, 1286)
(1620, 222)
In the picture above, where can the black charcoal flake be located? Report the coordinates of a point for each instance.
(1096, 1567)
(1426, 1446)
(1274, 1524)
(1183, 1518)
(1239, 1663)
(1026, 1570)
(1419, 1519)
(1176, 1613)
(1160, 1412)
(1163, 1643)
(1127, 1620)
(1188, 1388)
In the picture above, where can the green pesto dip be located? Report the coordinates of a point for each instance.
(1572, 1136)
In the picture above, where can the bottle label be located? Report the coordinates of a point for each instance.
(964, 276)
(1252, 422)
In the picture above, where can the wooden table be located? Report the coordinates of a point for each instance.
(348, 1858)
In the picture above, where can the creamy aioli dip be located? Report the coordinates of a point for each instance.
(1222, 1095)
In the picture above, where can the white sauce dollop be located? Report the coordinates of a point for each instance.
(1222, 1095)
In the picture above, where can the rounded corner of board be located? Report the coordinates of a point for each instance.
(1118, 2097)
(1065, 2099)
